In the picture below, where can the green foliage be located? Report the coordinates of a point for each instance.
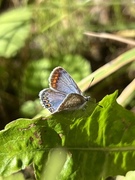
(55, 37)
(62, 32)
(15, 28)
(30, 108)
(24, 142)
(96, 143)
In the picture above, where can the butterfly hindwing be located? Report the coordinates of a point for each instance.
(73, 101)
(51, 99)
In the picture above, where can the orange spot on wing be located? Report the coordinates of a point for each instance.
(55, 78)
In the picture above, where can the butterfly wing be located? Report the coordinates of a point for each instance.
(51, 99)
(73, 101)
(61, 81)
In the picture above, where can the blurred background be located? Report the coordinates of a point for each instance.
(38, 35)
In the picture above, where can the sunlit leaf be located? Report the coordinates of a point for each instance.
(23, 142)
(101, 144)
(96, 142)
(14, 29)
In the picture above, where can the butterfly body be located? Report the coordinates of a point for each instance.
(63, 94)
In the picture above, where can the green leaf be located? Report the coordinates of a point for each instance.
(97, 142)
(101, 144)
(14, 29)
(24, 142)
(39, 71)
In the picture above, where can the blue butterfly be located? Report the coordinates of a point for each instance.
(63, 94)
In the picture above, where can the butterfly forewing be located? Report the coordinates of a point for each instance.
(60, 80)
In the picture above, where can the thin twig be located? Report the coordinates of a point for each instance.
(111, 36)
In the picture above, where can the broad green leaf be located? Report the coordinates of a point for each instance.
(97, 142)
(101, 144)
(24, 142)
(14, 29)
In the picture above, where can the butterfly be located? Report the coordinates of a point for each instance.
(63, 94)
